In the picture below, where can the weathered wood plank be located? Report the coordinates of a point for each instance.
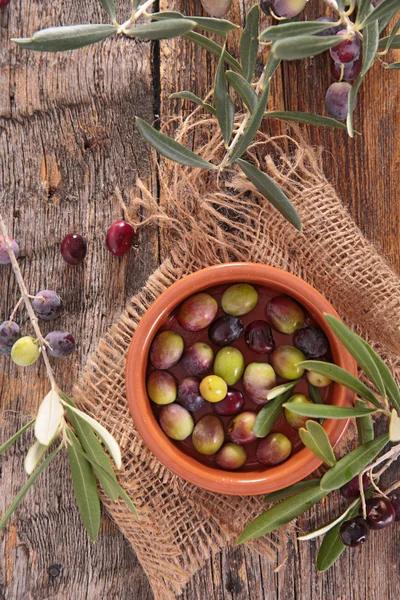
(65, 142)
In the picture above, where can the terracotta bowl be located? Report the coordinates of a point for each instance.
(262, 481)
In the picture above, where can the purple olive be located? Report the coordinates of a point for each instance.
(9, 334)
(197, 312)
(284, 314)
(176, 422)
(354, 532)
(394, 498)
(258, 337)
(285, 359)
(312, 342)
(351, 490)
(258, 379)
(231, 405)
(231, 457)
(274, 449)
(337, 100)
(47, 305)
(161, 387)
(198, 359)
(4, 258)
(350, 70)
(166, 350)
(61, 344)
(380, 513)
(208, 435)
(240, 429)
(288, 8)
(348, 50)
(225, 330)
(189, 394)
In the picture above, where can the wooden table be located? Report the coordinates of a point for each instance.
(66, 140)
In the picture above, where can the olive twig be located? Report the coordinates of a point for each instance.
(25, 297)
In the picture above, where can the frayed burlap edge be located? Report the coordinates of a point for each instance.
(210, 218)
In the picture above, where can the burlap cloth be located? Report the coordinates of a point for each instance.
(207, 219)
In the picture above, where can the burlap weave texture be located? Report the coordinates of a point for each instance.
(208, 219)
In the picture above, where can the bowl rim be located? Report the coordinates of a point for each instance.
(300, 464)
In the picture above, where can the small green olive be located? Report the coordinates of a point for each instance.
(229, 364)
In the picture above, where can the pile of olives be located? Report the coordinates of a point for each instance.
(213, 363)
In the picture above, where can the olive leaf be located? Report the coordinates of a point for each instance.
(394, 43)
(193, 98)
(269, 414)
(364, 7)
(352, 464)
(218, 26)
(15, 437)
(85, 487)
(327, 411)
(243, 89)
(272, 64)
(135, 4)
(356, 346)
(384, 10)
(34, 456)
(249, 43)
(252, 126)
(272, 192)
(292, 490)
(48, 418)
(394, 66)
(394, 427)
(341, 5)
(332, 546)
(162, 30)
(304, 46)
(117, 489)
(103, 434)
(24, 490)
(109, 7)
(282, 513)
(281, 389)
(61, 39)
(223, 102)
(170, 148)
(314, 394)
(387, 377)
(343, 377)
(212, 48)
(292, 29)
(370, 47)
(93, 448)
(306, 118)
(314, 437)
(365, 425)
(330, 525)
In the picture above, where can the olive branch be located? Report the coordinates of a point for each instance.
(234, 89)
(88, 461)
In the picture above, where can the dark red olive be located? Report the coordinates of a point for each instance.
(380, 513)
(258, 337)
(354, 532)
(120, 238)
(231, 405)
(3, 3)
(351, 490)
(73, 248)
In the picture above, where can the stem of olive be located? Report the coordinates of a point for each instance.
(135, 16)
(27, 302)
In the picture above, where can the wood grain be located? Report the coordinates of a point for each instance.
(66, 140)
